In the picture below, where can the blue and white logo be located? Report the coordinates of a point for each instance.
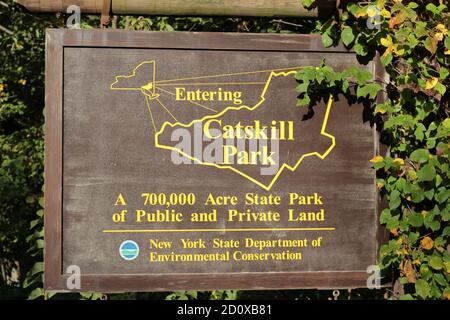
(129, 250)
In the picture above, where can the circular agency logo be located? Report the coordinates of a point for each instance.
(129, 250)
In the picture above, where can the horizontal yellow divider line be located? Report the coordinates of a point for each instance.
(219, 230)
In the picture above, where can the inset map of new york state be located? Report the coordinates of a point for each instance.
(267, 95)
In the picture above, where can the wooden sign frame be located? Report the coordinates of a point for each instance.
(55, 279)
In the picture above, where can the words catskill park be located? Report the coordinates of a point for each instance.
(213, 212)
(276, 130)
(257, 130)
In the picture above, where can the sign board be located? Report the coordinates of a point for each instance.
(180, 161)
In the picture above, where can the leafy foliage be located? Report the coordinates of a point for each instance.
(413, 41)
(21, 140)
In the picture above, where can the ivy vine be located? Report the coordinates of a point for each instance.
(412, 39)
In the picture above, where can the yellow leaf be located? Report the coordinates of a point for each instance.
(399, 52)
(377, 159)
(408, 198)
(2, 86)
(439, 36)
(442, 28)
(431, 83)
(426, 243)
(387, 42)
(372, 12)
(385, 13)
(386, 53)
(380, 109)
(22, 82)
(447, 266)
(362, 12)
(380, 185)
(400, 161)
(408, 271)
(447, 52)
(398, 19)
(394, 231)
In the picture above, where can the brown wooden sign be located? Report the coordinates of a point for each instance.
(180, 161)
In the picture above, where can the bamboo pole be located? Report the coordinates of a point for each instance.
(262, 8)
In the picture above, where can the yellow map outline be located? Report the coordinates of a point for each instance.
(285, 165)
(133, 74)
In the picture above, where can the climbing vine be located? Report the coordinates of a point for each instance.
(412, 41)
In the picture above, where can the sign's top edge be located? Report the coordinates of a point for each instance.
(191, 40)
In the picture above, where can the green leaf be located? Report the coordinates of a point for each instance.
(432, 8)
(412, 5)
(327, 41)
(385, 216)
(446, 231)
(394, 200)
(447, 42)
(419, 133)
(363, 76)
(393, 222)
(347, 36)
(303, 87)
(415, 219)
(308, 3)
(427, 173)
(420, 155)
(439, 278)
(440, 88)
(412, 237)
(37, 267)
(34, 223)
(429, 194)
(442, 195)
(443, 73)
(430, 44)
(41, 202)
(431, 143)
(371, 90)
(28, 281)
(86, 295)
(361, 49)
(433, 225)
(422, 288)
(96, 296)
(306, 100)
(435, 262)
(406, 297)
(425, 272)
(36, 293)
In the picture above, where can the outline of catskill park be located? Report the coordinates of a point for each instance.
(150, 94)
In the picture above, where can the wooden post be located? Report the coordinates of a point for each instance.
(262, 8)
